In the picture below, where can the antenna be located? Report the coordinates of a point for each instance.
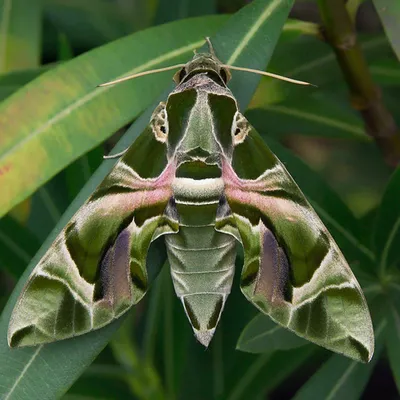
(210, 47)
(270, 74)
(133, 76)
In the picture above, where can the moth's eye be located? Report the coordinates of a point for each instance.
(159, 123)
(182, 74)
(160, 132)
(240, 129)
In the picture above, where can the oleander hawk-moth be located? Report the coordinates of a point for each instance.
(200, 178)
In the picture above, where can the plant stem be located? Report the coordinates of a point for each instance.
(339, 32)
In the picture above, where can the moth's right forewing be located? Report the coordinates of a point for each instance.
(293, 270)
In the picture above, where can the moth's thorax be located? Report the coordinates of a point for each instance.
(204, 62)
(200, 115)
(206, 81)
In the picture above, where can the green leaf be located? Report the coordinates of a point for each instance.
(319, 67)
(142, 378)
(92, 23)
(20, 34)
(218, 369)
(80, 171)
(393, 342)
(321, 116)
(24, 370)
(262, 335)
(167, 333)
(386, 72)
(64, 51)
(389, 13)
(340, 378)
(264, 373)
(12, 81)
(100, 381)
(387, 228)
(171, 10)
(251, 49)
(17, 246)
(74, 114)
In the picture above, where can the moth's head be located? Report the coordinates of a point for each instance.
(203, 62)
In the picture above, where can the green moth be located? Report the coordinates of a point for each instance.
(201, 178)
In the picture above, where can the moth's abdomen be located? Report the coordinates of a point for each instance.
(202, 260)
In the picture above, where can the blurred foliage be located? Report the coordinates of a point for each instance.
(53, 53)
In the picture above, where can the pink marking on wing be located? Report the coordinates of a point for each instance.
(258, 185)
(150, 192)
(246, 191)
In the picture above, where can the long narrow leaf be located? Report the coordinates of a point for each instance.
(387, 228)
(389, 13)
(262, 335)
(319, 116)
(17, 246)
(20, 34)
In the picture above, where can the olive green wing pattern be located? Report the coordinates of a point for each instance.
(293, 270)
(96, 268)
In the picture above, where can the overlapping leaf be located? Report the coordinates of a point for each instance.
(17, 246)
(393, 337)
(264, 373)
(20, 37)
(389, 13)
(319, 116)
(387, 229)
(262, 335)
(319, 67)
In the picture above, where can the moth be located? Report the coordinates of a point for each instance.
(208, 183)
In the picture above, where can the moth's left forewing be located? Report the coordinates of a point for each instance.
(293, 269)
(96, 268)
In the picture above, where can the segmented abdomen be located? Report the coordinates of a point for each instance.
(202, 260)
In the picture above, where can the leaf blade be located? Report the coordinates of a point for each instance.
(262, 335)
(386, 234)
(20, 37)
(389, 13)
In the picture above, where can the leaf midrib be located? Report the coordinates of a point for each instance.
(265, 333)
(23, 372)
(253, 30)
